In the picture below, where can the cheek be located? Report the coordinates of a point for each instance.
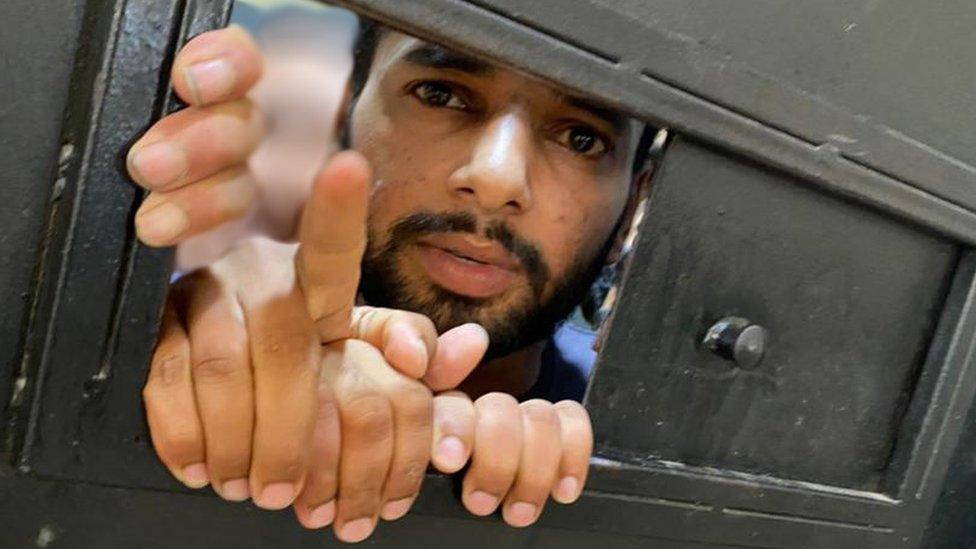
(410, 175)
(396, 181)
(405, 182)
(572, 228)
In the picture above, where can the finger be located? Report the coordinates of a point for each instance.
(285, 357)
(539, 465)
(577, 444)
(195, 143)
(165, 219)
(497, 451)
(459, 351)
(412, 404)
(366, 447)
(454, 424)
(333, 237)
(170, 406)
(316, 506)
(406, 339)
(215, 66)
(221, 368)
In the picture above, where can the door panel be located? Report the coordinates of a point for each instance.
(849, 299)
(101, 295)
(33, 96)
(839, 438)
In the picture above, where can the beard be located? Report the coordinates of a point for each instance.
(513, 323)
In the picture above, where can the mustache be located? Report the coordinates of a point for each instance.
(424, 223)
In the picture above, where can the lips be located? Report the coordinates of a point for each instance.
(468, 265)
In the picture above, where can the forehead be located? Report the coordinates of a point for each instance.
(395, 48)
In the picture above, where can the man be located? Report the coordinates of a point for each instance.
(493, 200)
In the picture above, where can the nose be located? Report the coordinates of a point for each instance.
(496, 177)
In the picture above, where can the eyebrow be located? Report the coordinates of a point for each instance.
(617, 120)
(434, 56)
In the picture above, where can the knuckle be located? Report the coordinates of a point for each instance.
(367, 413)
(286, 463)
(232, 464)
(167, 369)
(330, 314)
(535, 486)
(496, 400)
(497, 412)
(413, 399)
(241, 193)
(322, 484)
(327, 412)
(540, 477)
(176, 440)
(539, 411)
(494, 475)
(359, 496)
(238, 119)
(571, 407)
(152, 397)
(413, 472)
(218, 369)
(283, 344)
(241, 108)
(421, 322)
(407, 477)
(362, 318)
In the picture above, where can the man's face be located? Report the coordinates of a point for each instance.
(496, 196)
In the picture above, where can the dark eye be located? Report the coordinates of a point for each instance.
(583, 141)
(438, 94)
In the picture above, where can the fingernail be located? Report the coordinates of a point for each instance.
(481, 503)
(276, 496)
(396, 509)
(157, 165)
(474, 329)
(322, 516)
(162, 224)
(520, 514)
(474, 332)
(236, 490)
(195, 476)
(356, 530)
(210, 81)
(567, 491)
(450, 454)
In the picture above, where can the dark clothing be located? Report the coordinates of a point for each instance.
(567, 362)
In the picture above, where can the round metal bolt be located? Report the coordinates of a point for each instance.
(737, 339)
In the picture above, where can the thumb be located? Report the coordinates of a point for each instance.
(459, 351)
(332, 239)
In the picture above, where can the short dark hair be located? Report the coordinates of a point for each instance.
(364, 51)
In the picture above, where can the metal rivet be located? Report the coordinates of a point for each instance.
(737, 339)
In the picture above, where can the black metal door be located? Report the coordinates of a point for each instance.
(848, 241)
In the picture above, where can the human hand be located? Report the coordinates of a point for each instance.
(194, 161)
(371, 446)
(521, 453)
(231, 397)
